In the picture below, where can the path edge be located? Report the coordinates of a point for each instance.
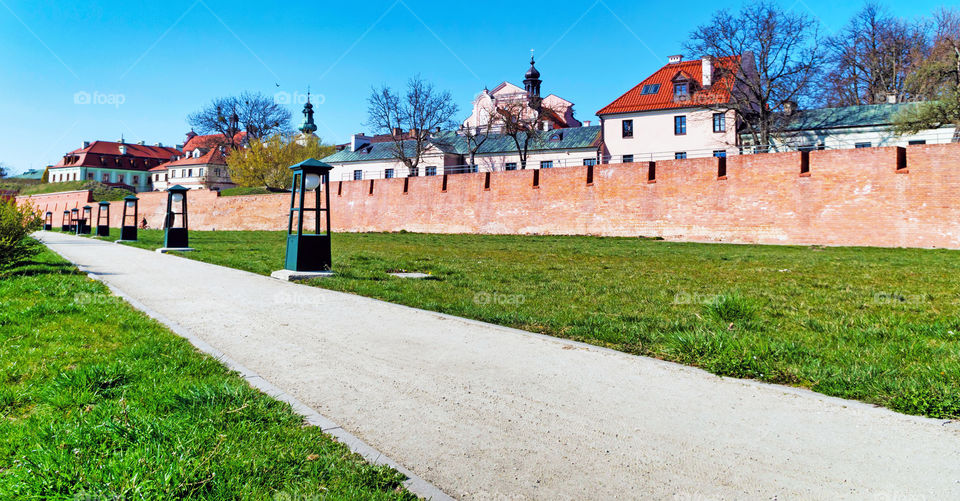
(414, 483)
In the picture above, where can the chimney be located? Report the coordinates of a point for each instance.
(789, 108)
(159, 145)
(414, 132)
(675, 59)
(86, 144)
(892, 98)
(396, 131)
(123, 149)
(706, 68)
(179, 147)
(586, 123)
(358, 141)
(141, 143)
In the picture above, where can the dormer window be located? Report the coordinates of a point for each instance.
(681, 91)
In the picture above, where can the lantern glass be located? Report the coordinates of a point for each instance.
(131, 204)
(311, 181)
(177, 197)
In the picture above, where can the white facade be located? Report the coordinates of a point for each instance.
(655, 135)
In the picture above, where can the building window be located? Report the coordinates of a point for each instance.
(189, 172)
(915, 142)
(511, 166)
(201, 172)
(546, 164)
(431, 171)
(680, 91)
(106, 178)
(90, 176)
(862, 145)
(719, 122)
(136, 180)
(720, 153)
(627, 159)
(627, 127)
(650, 89)
(680, 155)
(589, 161)
(388, 173)
(680, 125)
(357, 175)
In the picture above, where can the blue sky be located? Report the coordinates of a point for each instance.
(141, 67)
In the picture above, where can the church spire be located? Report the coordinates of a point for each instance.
(531, 81)
(308, 126)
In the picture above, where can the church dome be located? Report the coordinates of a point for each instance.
(532, 73)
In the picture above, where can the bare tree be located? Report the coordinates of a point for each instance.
(476, 137)
(773, 58)
(938, 79)
(3, 170)
(522, 120)
(872, 57)
(422, 110)
(257, 115)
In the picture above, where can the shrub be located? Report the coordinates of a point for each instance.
(732, 308)
(16, 224)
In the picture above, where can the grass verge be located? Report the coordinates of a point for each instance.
(871, 324)
(98, 401)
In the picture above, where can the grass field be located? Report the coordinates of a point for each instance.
(877, 325)
(97, 401)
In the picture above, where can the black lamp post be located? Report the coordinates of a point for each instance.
(65, 222)
(48, 221)
(86, 218)
(128, 224)
(309, 251)
(74, 220)
(103, 219)
(175, 228)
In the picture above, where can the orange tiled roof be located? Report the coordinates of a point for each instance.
(634, 99)
(213, 157)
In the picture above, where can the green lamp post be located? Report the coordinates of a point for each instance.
(308, 246)
(65, 222)
(74, 220)
(86, 218)
(103, 219)
(175, 223)
(48, 221)
(128, 224)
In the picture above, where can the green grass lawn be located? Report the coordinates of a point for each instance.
(98, 401)
(872, 324)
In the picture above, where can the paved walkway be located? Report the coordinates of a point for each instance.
(485, 412)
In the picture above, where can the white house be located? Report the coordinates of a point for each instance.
(675, 113)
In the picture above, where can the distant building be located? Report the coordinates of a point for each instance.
(560, 141)
(113, 163)
(202, 165)
(558, 116)
(675, 113)
(32, 175)
(849, 127)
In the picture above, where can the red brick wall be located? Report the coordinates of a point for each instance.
(851, 197)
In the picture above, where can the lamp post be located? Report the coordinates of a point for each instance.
(48, 221)
(128, 224)
(65, 222)
(308, 246)
(86, 217)
(103, 219)
(175, 226)
(74, 220)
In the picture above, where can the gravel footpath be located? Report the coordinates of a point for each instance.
(487, 412)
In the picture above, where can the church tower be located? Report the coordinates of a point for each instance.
(531, 81)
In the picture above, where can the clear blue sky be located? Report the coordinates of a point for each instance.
(146, 65)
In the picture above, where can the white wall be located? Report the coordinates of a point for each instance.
(848, 138)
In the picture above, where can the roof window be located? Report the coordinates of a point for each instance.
(650, 89)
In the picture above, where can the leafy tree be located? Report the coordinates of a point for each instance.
(780, 57)
(939, 78)
(422, 110)
(16, 224)
(257, 115)
(3, 170)
(265, 162)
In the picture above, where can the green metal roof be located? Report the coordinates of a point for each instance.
(451, 142)
(847, 116)
(30, 174)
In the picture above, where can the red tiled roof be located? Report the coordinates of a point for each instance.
(212, 157)
(106, 154)
(634, 100)
(212, 140)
